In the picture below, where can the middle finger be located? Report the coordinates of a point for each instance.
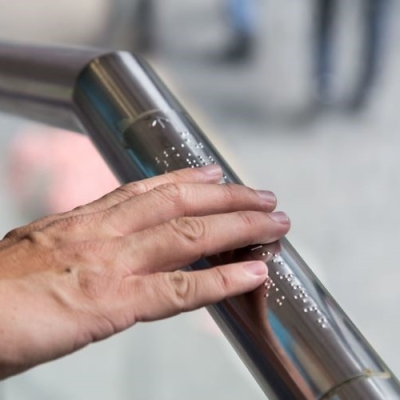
(182, 241)
(171, 201)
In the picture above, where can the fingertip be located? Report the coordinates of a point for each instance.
(212, 172)
(268, 197)
(280, 217)
(256, 269)
(208, 174)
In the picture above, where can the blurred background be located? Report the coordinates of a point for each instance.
(301, 97)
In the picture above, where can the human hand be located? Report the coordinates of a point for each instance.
(72, 279)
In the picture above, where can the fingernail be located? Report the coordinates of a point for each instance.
(267, 196)
(257, 268)
(280, 217)
(212, 170)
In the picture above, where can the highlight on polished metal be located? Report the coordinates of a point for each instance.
(292, 335)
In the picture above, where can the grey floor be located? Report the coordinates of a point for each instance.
(337, 176)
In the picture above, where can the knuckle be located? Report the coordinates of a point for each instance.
(248, 219)
(229, 192)
(79, 209)
(251, 193)
(38, 239)
(63, 229)
(130, 190)
(181, 289)
(21, 232)
(191, 229)
(15, 234)
(170, 192)
(223, 280)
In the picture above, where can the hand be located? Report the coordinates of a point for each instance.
(72, 279)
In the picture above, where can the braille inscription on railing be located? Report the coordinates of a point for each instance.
(282, 286)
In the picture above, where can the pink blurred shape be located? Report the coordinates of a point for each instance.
(60, 169)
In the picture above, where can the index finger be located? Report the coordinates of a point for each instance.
(208, 174)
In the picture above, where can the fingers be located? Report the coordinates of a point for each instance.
(182, 241)
(209, 174)
(160, 205)
(171, 201)
(167, 294)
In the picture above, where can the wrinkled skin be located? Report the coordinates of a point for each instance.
(75, 278)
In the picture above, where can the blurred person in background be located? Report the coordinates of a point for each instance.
(242, 19)
(144, 26)
(373, 29)
(241, 15)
